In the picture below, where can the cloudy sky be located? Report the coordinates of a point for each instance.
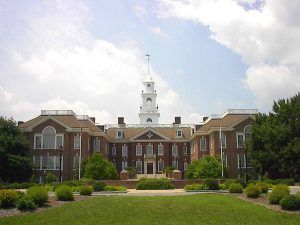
(89, 56)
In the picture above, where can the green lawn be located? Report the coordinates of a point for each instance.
(190, 209)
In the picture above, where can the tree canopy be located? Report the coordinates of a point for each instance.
(98, 168)
(15, 165)
(275, 140)
(208, 167)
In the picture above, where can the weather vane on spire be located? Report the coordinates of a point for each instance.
(148, 59)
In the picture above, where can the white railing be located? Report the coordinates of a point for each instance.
(57, 112)
(241, 111)
(149, 125)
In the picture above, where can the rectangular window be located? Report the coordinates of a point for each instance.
(59, 141)
(37, 162)
(174, 150)
(124, 165)
(224, 160)
(97, 145)
(160, 149)
(76, 162)
(113, 150)
(223, 141)
(149, 149)
(185, 150)
(38, 141)
(138, 165)
(202, 144)
(124, 151)
(120, 134)
(175, 164)
(185, 165)
(160, 165)
(138, 150)
(57, 162)
(77, 142)
(51, 162)
(44, 162)
(241, 160)
(240, 140)
(179, 133)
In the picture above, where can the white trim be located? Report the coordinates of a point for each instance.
(201, 139)
(34, 141)
(181, 134)
(139, 152)
(237, 140)
(158, 150)
(77, 136)
(238, 158)
(164, 138)
(185, 149)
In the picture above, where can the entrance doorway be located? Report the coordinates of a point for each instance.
(149, 168)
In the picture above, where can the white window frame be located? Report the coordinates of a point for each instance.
(225, 141)
(185, 165)
(151, 148)
(225, 161)
(124, 164)
(113, 150)
(34, 144)
(62, 140)
(200, 143)
(139, 169)
(95, 144)
(138, 150)
(185, 149)
(177, 133)
(238, 158)
(120, 134)
(175, 166)
(77, 136)
(237, 139)
(160, 165)
(174, 147)
(160, 149)
(124, 150)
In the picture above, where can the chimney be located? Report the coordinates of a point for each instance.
(177, 120)
(205, 118)
(93, 119)
(121, 120)
(20, 122)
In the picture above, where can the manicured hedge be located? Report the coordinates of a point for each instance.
(193, 187)
(86, 190)
(234, 181)
(25, 203)
(211, 184)
(289, 182)
(8, 198)
(99, 185)
(155, 184)
(252, 191)
(263, 187)
(38, 194)
(24, 185)
(278, 193)
(115, 188)
(235, 188)
(290, 202)
(64, 193)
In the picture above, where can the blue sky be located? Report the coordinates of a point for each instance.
(89, 56)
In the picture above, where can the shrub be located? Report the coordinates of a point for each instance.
(115, 188)
(228, 182)
(211, 184)
(99, 185)
(8, 198)
(20, 194)
(235, 188)
(193, 187)
(263, 187)
(252, 191)
(86, 190)
(289, 182)
(222, 186)
(64, 193)
(154, 184)
(278, 192)
(50, 178)
(25, 203)
(38, 194)
(290, 202)
(24, 185)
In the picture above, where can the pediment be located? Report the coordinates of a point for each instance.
(150, 134)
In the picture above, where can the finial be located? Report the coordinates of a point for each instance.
(148, 59)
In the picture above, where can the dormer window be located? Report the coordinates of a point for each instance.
(120, 134)
(179, 133)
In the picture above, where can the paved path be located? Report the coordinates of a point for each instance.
(294, 189)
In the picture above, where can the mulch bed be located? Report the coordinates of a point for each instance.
(52, 202)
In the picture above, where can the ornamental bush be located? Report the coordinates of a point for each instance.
(115, 188)
(24, 185)
(99, 185)
(64, 193)
(38, 194)
(154, 184)
(8, 198)
(211, 184)
(290, 202)
(50, 178)
(193, 187)
(263, 187)
(252, 191)
(25, 203)
(86, 190)
(278, 192)
(235, 188)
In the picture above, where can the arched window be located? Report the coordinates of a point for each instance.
(247, 132)
(149, 120)
(49, 138)
(149, 102)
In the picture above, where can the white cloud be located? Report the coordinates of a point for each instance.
(158, 31)
(266, 37)
(61, 66)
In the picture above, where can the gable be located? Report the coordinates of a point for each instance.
(149, 134)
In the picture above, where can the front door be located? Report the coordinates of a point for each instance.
(149, 168)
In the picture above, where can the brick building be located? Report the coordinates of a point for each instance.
(60, 138)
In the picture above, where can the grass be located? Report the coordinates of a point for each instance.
(189, 209)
